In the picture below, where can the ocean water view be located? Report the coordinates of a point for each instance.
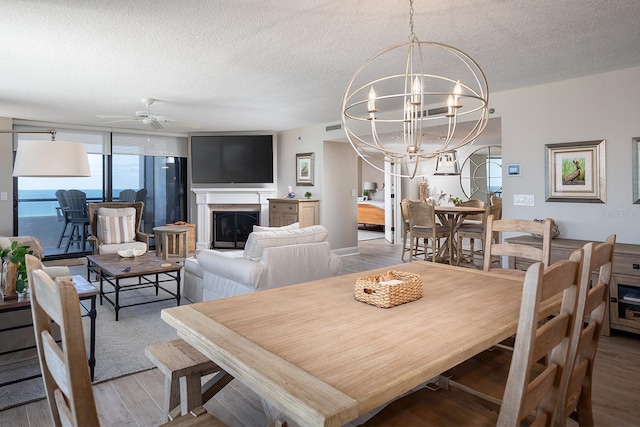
(34, 203)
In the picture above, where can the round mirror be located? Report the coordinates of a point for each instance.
(481, 173)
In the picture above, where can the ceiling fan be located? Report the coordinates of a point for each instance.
(147, 117)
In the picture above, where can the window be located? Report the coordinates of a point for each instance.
(118, 161)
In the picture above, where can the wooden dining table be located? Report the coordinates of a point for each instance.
(453, 217)
(314, 353)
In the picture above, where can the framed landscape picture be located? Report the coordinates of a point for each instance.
(575, 172)
(304, 168)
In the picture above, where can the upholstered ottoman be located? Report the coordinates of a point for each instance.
(192, 286)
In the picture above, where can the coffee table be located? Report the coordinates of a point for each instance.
(86, 292)
(148, 268)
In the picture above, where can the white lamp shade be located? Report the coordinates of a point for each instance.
(368, 185)
(51, 159)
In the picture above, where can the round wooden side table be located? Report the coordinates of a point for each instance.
(177, 234)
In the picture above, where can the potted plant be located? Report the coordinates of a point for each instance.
(307, 194)
(15, 254)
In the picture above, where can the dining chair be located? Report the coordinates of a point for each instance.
(65, 371)
(526, 396)
(472, 228)
(406, 229)
(485, 374)
(594, 308)
(423, 225)
(495, 226)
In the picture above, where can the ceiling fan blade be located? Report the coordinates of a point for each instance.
(184, 124)
(129, 119)
(154, 124)
(109, 116)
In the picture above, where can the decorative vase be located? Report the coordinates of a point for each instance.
(423, 191)
(8, 288)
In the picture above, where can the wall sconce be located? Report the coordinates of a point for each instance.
(49, 158)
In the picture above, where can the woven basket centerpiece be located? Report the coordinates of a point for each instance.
(389, 289)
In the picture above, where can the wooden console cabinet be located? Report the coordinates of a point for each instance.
(624, 294)
(287, 211)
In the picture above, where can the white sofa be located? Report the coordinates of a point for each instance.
(270, 259)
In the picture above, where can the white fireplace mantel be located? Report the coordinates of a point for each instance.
(208, 197)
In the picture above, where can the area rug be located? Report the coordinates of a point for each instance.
(119, 346)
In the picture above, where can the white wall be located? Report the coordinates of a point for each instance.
(598, 107)
(336, 174)
(369, 173)
(6, 180)
(340, 206)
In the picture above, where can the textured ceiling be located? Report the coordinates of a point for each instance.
(280, 64)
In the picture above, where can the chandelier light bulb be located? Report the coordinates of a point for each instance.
(371, 104)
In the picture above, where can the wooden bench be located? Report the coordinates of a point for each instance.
(183, 367)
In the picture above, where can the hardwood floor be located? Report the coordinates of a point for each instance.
(136, 400)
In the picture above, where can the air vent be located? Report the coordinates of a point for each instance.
(330, 128)
(437, 111)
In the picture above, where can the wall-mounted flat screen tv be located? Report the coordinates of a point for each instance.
(232, 159)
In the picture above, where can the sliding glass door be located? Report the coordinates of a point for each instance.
(118, 162)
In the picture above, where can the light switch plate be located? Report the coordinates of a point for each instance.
(3, 195)
(523, 200)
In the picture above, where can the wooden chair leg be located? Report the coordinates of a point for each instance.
(585, 410)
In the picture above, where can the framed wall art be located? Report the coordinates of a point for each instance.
(304, 168)
(635, 164)
(575, 172)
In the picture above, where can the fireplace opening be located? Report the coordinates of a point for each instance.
(231, 229)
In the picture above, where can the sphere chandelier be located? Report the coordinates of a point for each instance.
(405, 104)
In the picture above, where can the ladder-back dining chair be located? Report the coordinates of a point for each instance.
(493, 249)
(527, 396)
(485, 374)
(594, 308)
(65, 371)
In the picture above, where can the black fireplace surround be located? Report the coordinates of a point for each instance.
(231, 228)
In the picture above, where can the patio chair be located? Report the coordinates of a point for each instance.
(127, 196)
(77, 215)
(61, 209)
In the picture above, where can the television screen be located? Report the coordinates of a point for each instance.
(232, 159)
